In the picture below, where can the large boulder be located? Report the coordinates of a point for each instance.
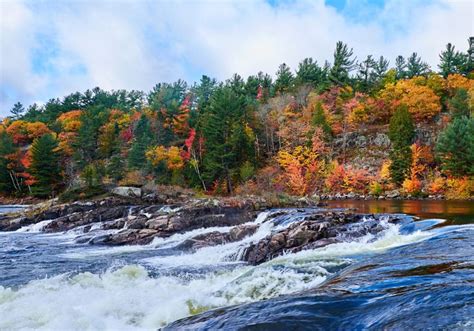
(127, 191)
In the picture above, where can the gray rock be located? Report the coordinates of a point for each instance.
(127, 191)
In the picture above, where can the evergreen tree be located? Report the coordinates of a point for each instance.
(284, 79)
(45, 166)
(400, 67)
(7, 148)
(416, 67)
(459, 104)
(365, 75)
(309, 72)
(451, 61)
(455, 147)
(343, 64)
(17, 110)
(319, 119)
(143, 138)
(401, 134)
(226, 142)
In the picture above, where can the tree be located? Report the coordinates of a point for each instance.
(451, 61)
(343, 64)
(142, 140)
(309, 72)
(365, 76)
(284, 78)
(416, 67)
(7, 150)
(45, 166)
(455, 147)
(401, 134)
(17, 110)
(400, 67)
(228, 143)
(459, 104)
(319, 119)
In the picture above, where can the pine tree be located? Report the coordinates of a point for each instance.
(451, 61)
(401, 134)
(416, 67)
(309, 72)
(343, 64)
(45, 166)
(7, 148)
(365, 75)
(459, 104)
(284, 80)
(226, 143)
(142, 140)
(17, 110)
(400, 67)
(319, 119)
(455, 147)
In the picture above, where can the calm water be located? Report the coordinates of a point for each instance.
(418, 274)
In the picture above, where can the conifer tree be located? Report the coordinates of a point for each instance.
(17, 110)
(45, 166)
(7, 148)
(416, 67)
(343, 64)
(142, 140)
(401, 134)
(455, 147)
(451, 61)
(284, 80)
(459, 104)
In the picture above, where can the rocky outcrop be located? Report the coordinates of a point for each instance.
(218, 238)
(143, 228)
(315, 231)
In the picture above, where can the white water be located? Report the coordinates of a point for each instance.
(35, 227)
(130, 299)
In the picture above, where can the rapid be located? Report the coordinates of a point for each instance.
(418, 272)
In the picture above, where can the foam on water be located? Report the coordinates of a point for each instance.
(35, 227)
(131, 298)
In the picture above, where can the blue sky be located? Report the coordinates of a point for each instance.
(50, 48)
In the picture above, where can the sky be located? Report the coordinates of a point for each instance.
(50, 48)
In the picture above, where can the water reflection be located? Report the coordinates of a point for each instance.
(459, 212)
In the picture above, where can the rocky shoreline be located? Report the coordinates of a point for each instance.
(139, 224)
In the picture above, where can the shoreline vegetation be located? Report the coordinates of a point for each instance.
(348, 129)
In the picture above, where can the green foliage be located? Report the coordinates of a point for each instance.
(92, 174)
(455, 147)
(17, 110)
(142, 140)
(226, 142)
(284, 81)
(45, 166)
(451, 61)
(247, 171)
(319, 119)
(401, 134)
(416, 67)
(459, 104)
(7, 148)
(343, 64)
(309, 72)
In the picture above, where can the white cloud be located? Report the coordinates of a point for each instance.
(133, 45)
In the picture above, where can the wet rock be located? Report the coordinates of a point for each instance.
(127, 237)
(218, 238)
(317, 230)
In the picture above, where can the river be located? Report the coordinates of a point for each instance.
(418, 274)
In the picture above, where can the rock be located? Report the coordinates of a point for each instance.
(127, 191)
(392, 194)
(381, 140)
(127, 237)
(218, 238)
(317, 230)
(159, 223)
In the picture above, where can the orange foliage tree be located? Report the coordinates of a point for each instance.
(422, 102)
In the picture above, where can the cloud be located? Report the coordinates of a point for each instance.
(52, 48)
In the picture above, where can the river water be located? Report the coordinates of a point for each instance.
(418, 274)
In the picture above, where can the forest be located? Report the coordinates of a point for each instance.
(301, 132)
